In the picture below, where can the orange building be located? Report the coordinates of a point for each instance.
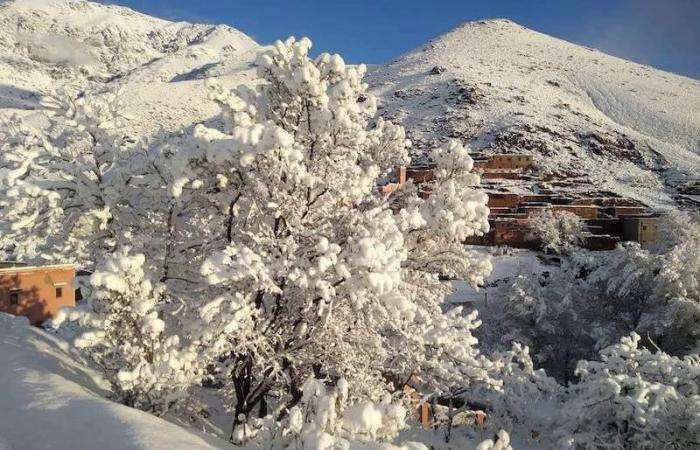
(36, 292)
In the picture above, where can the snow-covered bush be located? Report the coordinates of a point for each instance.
(546, 314)
(328, 418)
(656, 291)
(633, 399)
(525, 396)
(557, 231)
(613, 293)
(334, 282)
(123, 333)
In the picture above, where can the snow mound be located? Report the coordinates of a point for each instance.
(51, 401)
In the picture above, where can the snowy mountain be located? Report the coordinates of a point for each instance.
(626, 127)
(613, 124)
(47, 44)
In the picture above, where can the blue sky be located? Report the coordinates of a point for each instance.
(662, 33)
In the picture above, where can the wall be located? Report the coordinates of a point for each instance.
(419, 174)
(503, 200)
(500, 175)
(36, 288)
(514, 233)
(509, 162)
(583, 211)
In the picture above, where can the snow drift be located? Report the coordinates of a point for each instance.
(51, 400)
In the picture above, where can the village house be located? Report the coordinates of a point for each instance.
(36, 292)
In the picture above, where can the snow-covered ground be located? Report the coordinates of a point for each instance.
(49, 399)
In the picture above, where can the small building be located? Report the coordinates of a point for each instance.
(508, 161)
(641, 229)
(420, 173)
(36, 292)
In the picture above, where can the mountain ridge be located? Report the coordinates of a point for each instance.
(493, 83)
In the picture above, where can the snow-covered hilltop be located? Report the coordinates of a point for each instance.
(629, 127)
(46, 44)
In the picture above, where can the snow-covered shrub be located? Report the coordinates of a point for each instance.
(557, 231)
(678, 283)
(547, 314)
(335, 282)
(326, 418)
(123, 333)
(633, 399)
(656, 291)
(525, 396)
(500, 442)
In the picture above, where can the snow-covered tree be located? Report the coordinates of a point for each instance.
(124, 333)
(678, 284)
(64, 188)
(557, 231)
(633, 399)
(335, 283)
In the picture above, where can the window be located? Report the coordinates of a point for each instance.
(644, 227)
(14, 298)
(59, 292)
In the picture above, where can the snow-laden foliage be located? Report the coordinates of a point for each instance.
(124, 334)
(335, 281)
(656, 291)
(326, 418)
(557, 231)
(595, 298)
(525, 397)
(633, 399)
(64, 189)
(547, 314)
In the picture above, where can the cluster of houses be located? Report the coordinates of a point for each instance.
(608, 219)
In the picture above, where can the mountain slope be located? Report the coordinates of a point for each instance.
(609, 123)
(46, 44)
(627, 127)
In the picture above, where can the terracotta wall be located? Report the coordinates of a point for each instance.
(509, 162)
(419, 174)
(503, 200)
(612, 227)
(500, 175)
(514, 233)
(583, 211)
(618, 211)
(600, 242)
(37, 292)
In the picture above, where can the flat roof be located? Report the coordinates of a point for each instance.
(35, 268)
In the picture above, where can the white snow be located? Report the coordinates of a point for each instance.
(50, 400)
